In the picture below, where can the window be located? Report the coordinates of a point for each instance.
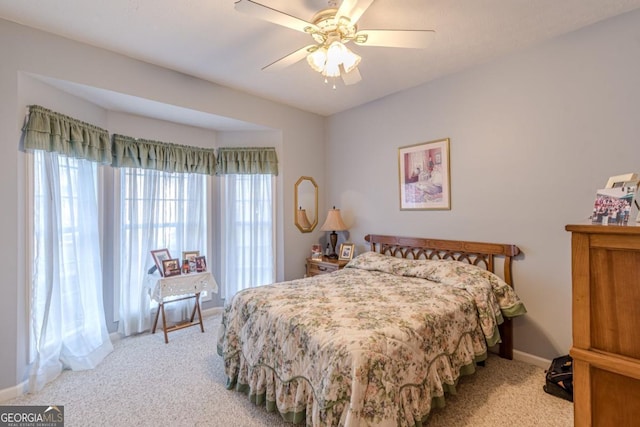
(67, 314)
(247, 230)
(157, 210)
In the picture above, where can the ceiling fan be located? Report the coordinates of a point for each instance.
(331, 29)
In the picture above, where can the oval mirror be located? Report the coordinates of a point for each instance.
(306, 204)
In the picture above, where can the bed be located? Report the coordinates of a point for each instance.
(377, 343)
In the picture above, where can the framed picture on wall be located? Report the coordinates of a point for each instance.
(424, 175)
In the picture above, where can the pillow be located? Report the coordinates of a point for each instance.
(448, 272)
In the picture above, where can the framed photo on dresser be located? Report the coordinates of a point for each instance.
(613, 205)
(626, 180)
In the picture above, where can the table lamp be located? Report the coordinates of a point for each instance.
(333, 223)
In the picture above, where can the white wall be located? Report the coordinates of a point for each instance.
(26, 51)
(533, 135)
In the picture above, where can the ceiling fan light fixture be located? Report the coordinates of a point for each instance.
(331, 29)
(336, 52)
(350, 60)
(317, 59)
(333, 60)
(331, 69)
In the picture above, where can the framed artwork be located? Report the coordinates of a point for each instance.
(171, 267)
(346, 251)
(613, 205)
(190, 258)
(626, 180)
(425, 181)
(158, 256)
(190, 255)
(316, 251)
(201, 264)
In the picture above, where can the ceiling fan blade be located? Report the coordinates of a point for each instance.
(350, 78)
(290, 59)
(270, 14)
(353, 9)
(416, 39)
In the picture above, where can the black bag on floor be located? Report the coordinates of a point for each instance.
(559, 378)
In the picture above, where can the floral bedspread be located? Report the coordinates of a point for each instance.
(375, 344)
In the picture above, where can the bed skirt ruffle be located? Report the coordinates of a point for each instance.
(296, 400)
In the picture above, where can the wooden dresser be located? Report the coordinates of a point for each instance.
(324, 266)
(606, 324)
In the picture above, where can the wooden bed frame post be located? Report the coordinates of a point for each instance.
(477, 253)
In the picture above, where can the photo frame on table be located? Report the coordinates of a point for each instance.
(171, 267)
(316, 251)
(346, 251)
(424, 176)
(190, 257)
(201, 264)
(159, 255)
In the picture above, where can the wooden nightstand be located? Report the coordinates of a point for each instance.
(324, 266)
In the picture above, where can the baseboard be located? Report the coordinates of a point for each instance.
(13, 392)
(531, 359)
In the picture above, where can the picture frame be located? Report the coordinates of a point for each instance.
(171, 267)
(424, 176)
(613, 206)
(626, 180)
(159, 255)
(190, 257)
(316, 251)
(346, 251)
(201, 264)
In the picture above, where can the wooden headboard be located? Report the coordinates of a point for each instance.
(477, 253)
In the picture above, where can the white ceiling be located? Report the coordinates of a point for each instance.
(209, 39)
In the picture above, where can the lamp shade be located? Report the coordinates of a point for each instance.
(303, 220)
(318, 59)
(334, 221)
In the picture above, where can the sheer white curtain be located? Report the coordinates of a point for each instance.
(67, 314)
(158, 210)
(247, 232)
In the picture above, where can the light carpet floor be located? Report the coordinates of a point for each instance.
(145, 382)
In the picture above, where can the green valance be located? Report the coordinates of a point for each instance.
(247, 161)
(163, 156)
(54, 132)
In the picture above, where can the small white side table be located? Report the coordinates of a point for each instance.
(186, 285)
